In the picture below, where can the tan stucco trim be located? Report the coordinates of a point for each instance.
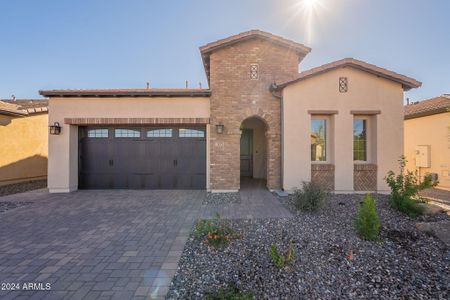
(323, 112)
(365, 112)
(134, 121)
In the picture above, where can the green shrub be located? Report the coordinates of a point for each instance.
(229, 293)
(202, 227)
(367, 222)
(405, 188)
(215, 232)
(311, 197)
(280, 259)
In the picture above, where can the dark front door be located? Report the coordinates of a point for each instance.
(142, 158)
(247, 153)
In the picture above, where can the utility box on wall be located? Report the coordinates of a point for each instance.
(423, 156)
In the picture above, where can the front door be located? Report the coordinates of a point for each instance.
(247, 153)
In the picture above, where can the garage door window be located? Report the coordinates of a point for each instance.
(98, 133)
(160, 132)
(184, 132)
(127, 133)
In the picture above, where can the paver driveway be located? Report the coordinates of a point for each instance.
(106, 244)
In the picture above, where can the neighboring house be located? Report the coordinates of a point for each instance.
(23, 140)
(255, 120)
(427, 138)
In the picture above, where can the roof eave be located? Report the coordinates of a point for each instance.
(51, 93)
(426, 113)
(13, 113)
(406, 85)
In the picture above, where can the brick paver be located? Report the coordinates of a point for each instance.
(112, 244)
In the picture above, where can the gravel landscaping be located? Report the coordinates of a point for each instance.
(331, 260)
(22, 187)
(221, 198)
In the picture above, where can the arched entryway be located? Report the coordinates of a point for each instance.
(253, 153)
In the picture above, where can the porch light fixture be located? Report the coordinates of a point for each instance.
(219, 128)
(55, 129)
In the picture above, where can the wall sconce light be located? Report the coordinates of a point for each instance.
(55, 129)
(219, 128)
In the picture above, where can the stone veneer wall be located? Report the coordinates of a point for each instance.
(365, 177)
(236, 97)
(323, 175)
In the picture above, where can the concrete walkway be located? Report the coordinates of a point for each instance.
(438, 197)
(112, 244)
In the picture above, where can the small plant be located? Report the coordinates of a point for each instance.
(367, 222)
(214, 231)
(311, 197)
(202, 227)
(230, 293)
(405, 188)
(280, 259)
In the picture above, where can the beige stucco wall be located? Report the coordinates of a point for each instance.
(434, 131)
(23, 148)
(63, 148)
(365, 92)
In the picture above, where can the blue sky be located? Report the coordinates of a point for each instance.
(123, 44)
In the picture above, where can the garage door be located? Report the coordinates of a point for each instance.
(142, 158)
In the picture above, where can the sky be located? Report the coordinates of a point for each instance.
(59, 44)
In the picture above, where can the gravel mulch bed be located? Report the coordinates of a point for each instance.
(22, 187)
(404, 263)
(221, 198)
(8, 205)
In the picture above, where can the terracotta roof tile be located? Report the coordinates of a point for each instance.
(407, 82)
(127, 93)
(23, 107)
(427, 107)
(254, 34)
(207, 49)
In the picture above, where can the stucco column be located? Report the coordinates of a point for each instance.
(343, 151)
(63, 160)
(296, 147)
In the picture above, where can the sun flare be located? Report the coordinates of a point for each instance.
(309, 10)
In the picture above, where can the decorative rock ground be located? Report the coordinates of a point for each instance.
(22, 187)
(405, 263)
(221, 198)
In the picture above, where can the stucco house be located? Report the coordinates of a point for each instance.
(337, 124)
(23, 140)
(427, 138)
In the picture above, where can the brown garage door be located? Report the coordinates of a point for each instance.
(142, 158)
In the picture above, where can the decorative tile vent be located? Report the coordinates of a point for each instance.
(343, 84)
(254, 74)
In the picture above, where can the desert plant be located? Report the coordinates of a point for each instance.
(232, 292)
(367, 222)
(405, 188)
(216, 233)
(202, 227)
(311, 197)
(282, 259)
